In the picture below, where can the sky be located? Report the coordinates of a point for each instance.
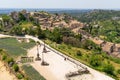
(74, 4)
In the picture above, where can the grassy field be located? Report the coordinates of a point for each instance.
(26, 24)
(31, 73)
(14, 48)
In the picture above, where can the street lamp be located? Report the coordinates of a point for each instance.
(44, 51)
(37, 58)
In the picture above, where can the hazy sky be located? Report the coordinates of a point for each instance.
(84, 4)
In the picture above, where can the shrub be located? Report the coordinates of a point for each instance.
(15, 67)
(19, 76)
(109, 69)
(41, 35)
(1, 50)
(26, 79)
(118, 71)
(10, 60)
(69, 46)
(4, 57)
(62, 47)
(69, 53)
(78, 53)
(88, 44)
(95, 60)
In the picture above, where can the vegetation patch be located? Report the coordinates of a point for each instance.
(11, 65)
(31, 73)
(14, 48)
(100, 61)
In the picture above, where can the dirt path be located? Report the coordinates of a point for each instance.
(4, 74)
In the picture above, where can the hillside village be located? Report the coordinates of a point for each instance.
(109, 47)
(47, 20)
(50, 21)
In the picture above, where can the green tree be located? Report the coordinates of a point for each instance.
(19, 76)
(21, 17)
(72, 41)
(6, 18)
(78, 53)
(95, 60)
(118, 71)
(18, 30)
(66, 32)
(31, 19)
(1, 25)
(57, 36)
(4, 57)
(15, 67)
(78, 36)
(108, 68)
(41, 33)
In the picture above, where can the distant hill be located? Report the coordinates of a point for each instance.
(9, 10)
(95, 15)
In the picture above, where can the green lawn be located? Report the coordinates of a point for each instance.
(31, 73)
(14, 48)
